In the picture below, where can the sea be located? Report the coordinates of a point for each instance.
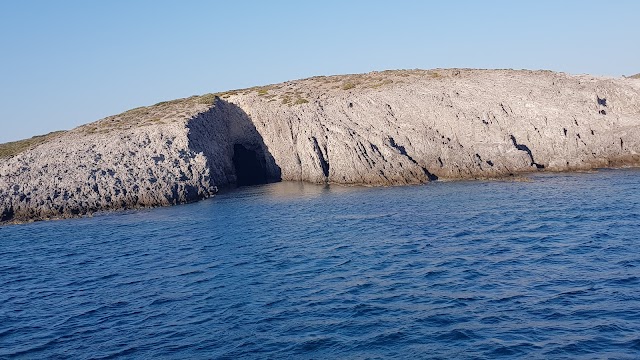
(545, 268)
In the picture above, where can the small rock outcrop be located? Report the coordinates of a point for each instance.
(381, 128)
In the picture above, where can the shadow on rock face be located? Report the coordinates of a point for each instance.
(235, 151)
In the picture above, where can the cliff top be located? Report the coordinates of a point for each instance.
(15, 147)
(291, 93)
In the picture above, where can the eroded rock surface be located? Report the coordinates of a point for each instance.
(382, 128)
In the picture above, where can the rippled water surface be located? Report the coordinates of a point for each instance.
(542, 269)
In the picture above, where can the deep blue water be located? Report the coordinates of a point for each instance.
(542, 269)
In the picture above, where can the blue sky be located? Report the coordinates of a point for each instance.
(65, 63)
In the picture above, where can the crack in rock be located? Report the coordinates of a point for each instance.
(324, 164)
(526, 149)
(401, 149)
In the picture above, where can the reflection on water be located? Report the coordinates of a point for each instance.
(281, 191)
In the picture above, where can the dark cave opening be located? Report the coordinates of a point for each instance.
(250, 167)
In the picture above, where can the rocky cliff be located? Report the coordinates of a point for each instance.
(381, 128)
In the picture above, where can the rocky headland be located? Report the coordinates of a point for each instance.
(380, 128)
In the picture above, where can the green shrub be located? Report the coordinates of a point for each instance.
(169, 102)
(348, 86)
(206, 99)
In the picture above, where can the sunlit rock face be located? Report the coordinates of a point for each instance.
(381, 128)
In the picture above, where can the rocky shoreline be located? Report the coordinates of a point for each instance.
(381, 128)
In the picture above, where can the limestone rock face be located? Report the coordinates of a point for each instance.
(382, 128)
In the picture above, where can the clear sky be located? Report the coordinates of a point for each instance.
(64, 63)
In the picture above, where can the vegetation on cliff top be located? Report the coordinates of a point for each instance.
(15, 147)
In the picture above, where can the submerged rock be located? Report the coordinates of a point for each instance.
(381, 128)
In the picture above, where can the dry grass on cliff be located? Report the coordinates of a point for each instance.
(298, 92)
(636, 76)
(289, 93)
(15, 147)
(164, 112)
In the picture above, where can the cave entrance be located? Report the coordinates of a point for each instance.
(250, 167)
